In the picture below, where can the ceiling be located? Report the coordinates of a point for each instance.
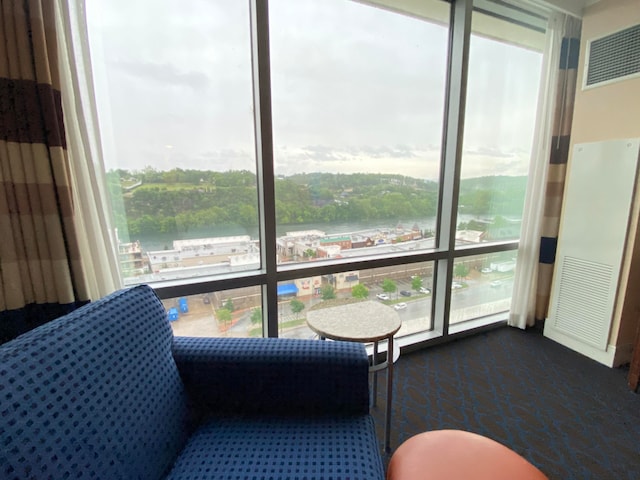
(574, 7)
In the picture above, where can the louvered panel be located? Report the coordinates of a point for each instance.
(613, 57)
(592, 240)
(583, 308)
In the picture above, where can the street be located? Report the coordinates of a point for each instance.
(480, 295)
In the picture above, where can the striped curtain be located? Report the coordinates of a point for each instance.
(563, 116)
(41, 275)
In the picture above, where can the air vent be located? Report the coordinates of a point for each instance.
(613, 57)
(583, 308)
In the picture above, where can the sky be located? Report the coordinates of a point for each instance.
(354, 89)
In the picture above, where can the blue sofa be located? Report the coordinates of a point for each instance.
(107, 392)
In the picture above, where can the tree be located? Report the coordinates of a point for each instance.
(224, 315)
(500, 221)
(256, 315)
(309, 253)
(327, 292)
(416, 283)
(296, 306)
(389, 286)
(461, 270)
(359, 291)
(229, 305)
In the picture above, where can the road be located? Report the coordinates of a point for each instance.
(477, 292)
(476, 298)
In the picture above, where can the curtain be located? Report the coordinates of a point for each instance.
(97, 242)
(41, 273)
(558, 158)
(538, 240)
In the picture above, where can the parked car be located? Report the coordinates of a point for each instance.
(496, 283)
(455, 285)
(400, 306)
(405, 293)
(486, 270)
(425, 290)
(382, 296)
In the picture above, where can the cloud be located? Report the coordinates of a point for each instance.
(164, 74)
(421, 163)
(494, 152)
(399, 151)
(354, 89)
(475, 164)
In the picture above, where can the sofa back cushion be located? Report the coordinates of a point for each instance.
(94, 394)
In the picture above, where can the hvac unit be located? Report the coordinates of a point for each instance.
(596, 215)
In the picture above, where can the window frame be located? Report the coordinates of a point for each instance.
(443, 255)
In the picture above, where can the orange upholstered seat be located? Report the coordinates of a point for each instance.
(458, 455)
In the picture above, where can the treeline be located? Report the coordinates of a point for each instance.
(497, 195)
(179, 200)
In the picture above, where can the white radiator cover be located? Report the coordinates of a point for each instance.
(599, 195)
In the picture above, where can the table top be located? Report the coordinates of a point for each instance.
(357, 322)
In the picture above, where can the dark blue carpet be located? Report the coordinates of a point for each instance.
(568, 415)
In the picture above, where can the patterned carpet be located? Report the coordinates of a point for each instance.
(568, 415)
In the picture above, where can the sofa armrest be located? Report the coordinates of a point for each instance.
(274, 375)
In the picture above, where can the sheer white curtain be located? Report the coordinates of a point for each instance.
(524, 286)
(96, 235)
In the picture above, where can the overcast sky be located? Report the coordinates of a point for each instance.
(355, 89)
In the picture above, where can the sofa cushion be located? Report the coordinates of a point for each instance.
(94, 394)
(274, 375)
(330, 447)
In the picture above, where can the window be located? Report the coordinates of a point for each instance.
(481, 286)
(250, 192)
(500, 119)
(394, 286)
(222, 313)
(505, 59)
(357, 128)
(174, 90)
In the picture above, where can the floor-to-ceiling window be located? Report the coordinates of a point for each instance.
(504, 67)
(358, 98)
(266, 157)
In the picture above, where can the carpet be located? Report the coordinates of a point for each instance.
(570, 416)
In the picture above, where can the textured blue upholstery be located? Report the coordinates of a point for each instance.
(94, 394)
(259, 375)
(97, 394)
(282, 447)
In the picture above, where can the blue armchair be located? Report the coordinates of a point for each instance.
(106, 392)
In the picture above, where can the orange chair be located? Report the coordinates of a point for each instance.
(458, 455)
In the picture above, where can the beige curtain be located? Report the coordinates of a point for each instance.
(559, 155)
(39, 256)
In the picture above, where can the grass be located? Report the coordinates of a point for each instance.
(256, 331)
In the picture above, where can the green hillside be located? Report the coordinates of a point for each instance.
(154, 202)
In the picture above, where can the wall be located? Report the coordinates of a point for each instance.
(606, 113)
(610, 111)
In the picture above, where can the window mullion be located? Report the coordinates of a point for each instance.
(459, 39)
(264, 155)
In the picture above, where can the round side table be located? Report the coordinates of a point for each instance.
(365, 322)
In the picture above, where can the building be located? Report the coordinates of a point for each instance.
(132, 261)
(203, 251)
(213, 247)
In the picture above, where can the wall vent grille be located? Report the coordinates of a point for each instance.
(583, 309)
(613, 57)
